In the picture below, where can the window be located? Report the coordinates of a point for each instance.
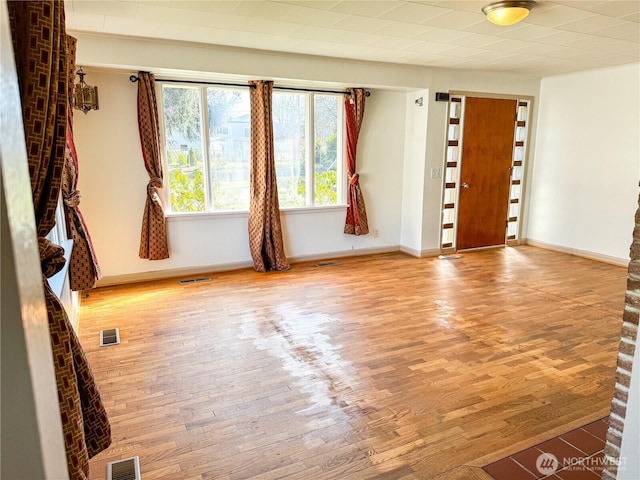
(303, 123)
(210, 172)
(206, 172)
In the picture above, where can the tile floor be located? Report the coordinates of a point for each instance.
(575, 455)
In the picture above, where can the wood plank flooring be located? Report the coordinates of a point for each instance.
(382, 367)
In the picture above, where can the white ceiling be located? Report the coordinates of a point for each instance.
(558, 36)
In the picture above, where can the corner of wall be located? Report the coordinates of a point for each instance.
(622, 445)
(413, 185)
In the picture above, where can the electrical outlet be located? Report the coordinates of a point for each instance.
(376, 233)
(435, 173)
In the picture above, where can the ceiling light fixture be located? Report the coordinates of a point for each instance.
(508, 12)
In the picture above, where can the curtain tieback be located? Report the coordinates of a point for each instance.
(73, 199)
(51, 257)
(154, 182)
(353, 179)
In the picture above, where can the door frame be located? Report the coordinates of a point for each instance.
(29, 394)
(523, 204)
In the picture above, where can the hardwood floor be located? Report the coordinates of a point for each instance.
(382, 367)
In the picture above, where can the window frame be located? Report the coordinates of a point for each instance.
(341, 171)
(341, 174)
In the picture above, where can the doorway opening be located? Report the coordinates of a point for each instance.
(484, 167)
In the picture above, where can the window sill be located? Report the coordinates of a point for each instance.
(308, 210)
(172, 216)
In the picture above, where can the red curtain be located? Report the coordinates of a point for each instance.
(265, 231)
(83, 264)
(356, 221)
(39, 43)
(153, 237)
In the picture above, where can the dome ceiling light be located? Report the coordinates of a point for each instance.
(508, 12)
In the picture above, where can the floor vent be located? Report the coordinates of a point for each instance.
(109, 337)
(328, 264)
(127, 469)
(194, 280)
(449, 257)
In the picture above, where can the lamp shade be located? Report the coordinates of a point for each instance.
(508, 12)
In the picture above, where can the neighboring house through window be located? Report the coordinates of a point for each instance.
(209, 172)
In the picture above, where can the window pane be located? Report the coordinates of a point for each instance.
(326, 149)
(229, 148)
(184, 148)
(290, 148)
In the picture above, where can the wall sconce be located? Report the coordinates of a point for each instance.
(86, 97)
(508, 12)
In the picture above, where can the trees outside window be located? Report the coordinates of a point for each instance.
(209, 172)
(308, 160)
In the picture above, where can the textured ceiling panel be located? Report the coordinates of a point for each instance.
(558, 36)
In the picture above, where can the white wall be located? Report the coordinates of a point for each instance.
(403, 210)
(112, 177)
(415, 144)
(113, 184)
(587, 161)
(198, 60)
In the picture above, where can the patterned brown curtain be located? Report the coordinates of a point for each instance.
(83, 264)
(265, 231)
(153, 238)
(39, 43)
(356, 222)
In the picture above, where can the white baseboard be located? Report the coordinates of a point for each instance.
(169, 273)
(199, 270)
(420, 253)
(477, 249)
(343, 253)
(622, 262)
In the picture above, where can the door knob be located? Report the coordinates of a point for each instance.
(464, 185)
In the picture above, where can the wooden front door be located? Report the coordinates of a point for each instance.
(485, 176)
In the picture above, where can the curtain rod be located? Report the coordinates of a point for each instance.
(134, 79)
